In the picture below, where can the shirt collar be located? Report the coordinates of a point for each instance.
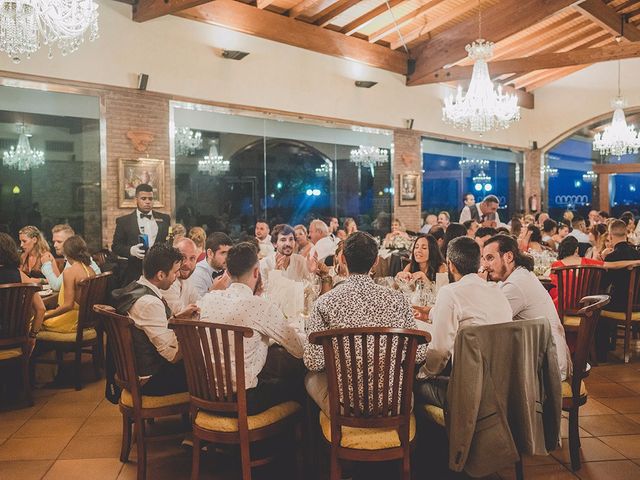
(240, 290)
(147, 283)
(359, 279)
(138, 213)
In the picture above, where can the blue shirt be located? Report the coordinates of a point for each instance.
(202, 277)
(56, 282)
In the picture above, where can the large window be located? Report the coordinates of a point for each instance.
(453, 169)
(285, 172)
(66, 187)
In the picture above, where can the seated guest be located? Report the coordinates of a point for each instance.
(182, 293)
(563, 231)
(334, 225)
(33, 246)
(10, 273)
(209, 273)
(292, 265)
(350, 226)
(567, 217)
(579, 229)
(540, 218)
(356, 302)
(618, 280)
(604, 216)
(323, 246)
(60, 233)
(532, 240)
(437, 232)
(454, 230)
(503, 262)
(178, 231)
(155, 345)
(264, 239)
(485, 212)
(469, 300)
(426, 261)
(598, 237)
(303, 243)
(516, 228)
(240, 305)
(64, 318)
(444, 219)
(429, 222)
(549, 229)
(471, 226)
(199, 237)
(397, 230)
(483, 234)
(594, 218)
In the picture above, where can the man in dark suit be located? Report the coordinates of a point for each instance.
(143, 220)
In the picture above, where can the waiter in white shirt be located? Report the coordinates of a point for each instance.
(485, 212)
(142, 221)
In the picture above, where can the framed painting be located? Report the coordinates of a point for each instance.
(409, 188)
(132, 172)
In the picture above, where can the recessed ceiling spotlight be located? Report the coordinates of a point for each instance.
(234, 54)
(365, 83)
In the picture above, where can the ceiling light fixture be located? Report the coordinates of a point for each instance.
(365, 83)
(234, 54)
(23, 157)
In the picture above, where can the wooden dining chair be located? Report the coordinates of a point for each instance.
(15, 322)
(88, 337)
(574, 283)
(370, 419)
(632, 314)
(574, 391)
(134, 406)
(213, 356)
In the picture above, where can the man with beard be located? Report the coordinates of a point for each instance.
(467, 300)
(181, 293)
(293, 266)
(503, 262)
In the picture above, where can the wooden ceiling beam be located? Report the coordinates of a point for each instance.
(298, 9)
(279, 28)
(549, 76)
(601, 14)
(402, 21)
(449, 46)
(144, 10)
(582, 56)
(352, 27)
(262, 4)
(333, 11)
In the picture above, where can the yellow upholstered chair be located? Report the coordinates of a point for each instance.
(374, 422)
(135, 407)
(218, 407)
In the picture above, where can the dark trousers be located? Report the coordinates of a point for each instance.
(171, 378)
(432, 391)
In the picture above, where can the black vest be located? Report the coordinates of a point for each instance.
(475, 212)
(148, 360)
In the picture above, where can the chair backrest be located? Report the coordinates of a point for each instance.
(590, 314)
(633, 303)
(119, 328)
(370, 375)
(93, 290)
(206, 351)
(15, 312)
(574, 283)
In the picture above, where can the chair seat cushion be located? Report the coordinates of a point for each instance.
(435, 414)
(367, 438)
(155, 402)
(571, 321)
(8, 353)
(48, 336)
(566, 389)
(635, 316)
(218, 423)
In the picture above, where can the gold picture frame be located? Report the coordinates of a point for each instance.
(134, 171)
(409, 188)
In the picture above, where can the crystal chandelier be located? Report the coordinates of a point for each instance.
(365, 156)
(482, 108)
(549, 171)
(482, 178)
(213, 164)
(187, 141)
(324, 170)
(618, 138)
(27, 24)
(473, 164)
(589, 177)
(23, 157)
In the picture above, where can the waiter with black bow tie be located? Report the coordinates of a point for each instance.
(142, 221)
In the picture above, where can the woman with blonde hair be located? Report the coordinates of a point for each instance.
(397, 230)
(350, 226)
(303, 244)
(199, 237)
(33, 246)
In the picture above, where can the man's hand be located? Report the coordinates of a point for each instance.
(312, 263)
(46, 257)
(421, 313)
(137, 251)
(281, 261)
(606, 252)
(483, 274)
(221, 283)
(189, 312)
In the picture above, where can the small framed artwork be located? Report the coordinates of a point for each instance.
(132, 172)
(409, 188)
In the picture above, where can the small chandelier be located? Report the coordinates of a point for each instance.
(23, 157)
(187, 141)
(618, 138)
(549, 171)
(365, 156)
(481, 178)
(213, 164)
(27, 24)
(324, 170)
(473, 164)
(589, 177)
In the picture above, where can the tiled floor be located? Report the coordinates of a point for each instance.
(76, 435)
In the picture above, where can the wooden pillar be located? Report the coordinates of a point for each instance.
(407, 159)
(532, 165)
(603, 191)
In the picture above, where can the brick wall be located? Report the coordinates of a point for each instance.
(133, 110)
(407, 157)
(532, 164)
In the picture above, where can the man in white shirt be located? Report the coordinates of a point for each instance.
(59, 233)
(429, 222)
(503, 262)
(210, 272)
(181, 293)
(323, 246)
(467, 300)
(264, 239)
(292, 265)
(579, 230)
(334, 226)
(240, 305)
(156, 348)
(485, 212)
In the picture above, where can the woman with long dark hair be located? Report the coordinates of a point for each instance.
(426, 261)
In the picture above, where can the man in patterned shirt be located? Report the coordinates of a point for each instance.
(356, 302)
